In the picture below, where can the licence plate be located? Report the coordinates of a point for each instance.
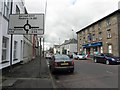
(64, 63)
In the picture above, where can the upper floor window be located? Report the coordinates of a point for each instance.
(108, 22)
(93, 28)
(17, 10)
(100, 36)
(109, 33)
(6, 8)
(94, 37)
(89, 37)
(99, 26)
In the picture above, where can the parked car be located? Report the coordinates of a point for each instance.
(73, 56)
(48, 56)
(81, 56)
(61, 62)
(106, 58)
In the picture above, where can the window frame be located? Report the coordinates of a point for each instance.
(6, 9)
(4, 48)
(15, 50)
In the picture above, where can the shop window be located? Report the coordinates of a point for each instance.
(101, 49)
(4, 48)
(109, 48)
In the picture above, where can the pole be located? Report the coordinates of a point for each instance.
(11, 43)
(40, 57)
(43, 46)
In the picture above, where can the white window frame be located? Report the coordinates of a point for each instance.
(109, 34)
(6, 8)
(101, 49)
(109, 48)
(4, 48)
(15, 49)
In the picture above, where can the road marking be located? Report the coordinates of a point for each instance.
(109, 72)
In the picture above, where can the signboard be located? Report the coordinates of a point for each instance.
(26, 24)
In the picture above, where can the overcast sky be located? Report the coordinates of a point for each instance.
(64, 15)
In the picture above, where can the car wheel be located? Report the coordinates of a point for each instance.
(107, 62)
(95, 60)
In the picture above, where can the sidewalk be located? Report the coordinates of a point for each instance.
(29, 76)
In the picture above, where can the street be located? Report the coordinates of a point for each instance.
(88, 74)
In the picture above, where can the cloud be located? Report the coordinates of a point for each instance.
(64, 15)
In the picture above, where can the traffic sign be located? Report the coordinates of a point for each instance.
(26, 24)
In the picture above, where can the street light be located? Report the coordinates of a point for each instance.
(73, 35)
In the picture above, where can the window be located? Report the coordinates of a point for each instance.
(4, 48)
(94, 37)
(99, 26)
(108, 22)
(89, 37)
(17, 10)
(109, 48)
(109, 34)
(6, 8)
(15, 49)
(93, 28)
(100, 36)
(101, 49)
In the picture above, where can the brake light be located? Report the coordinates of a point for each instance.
(72, 62)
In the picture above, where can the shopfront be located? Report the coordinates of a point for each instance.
(91, 48)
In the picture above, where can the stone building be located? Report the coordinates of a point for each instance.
(102, 36)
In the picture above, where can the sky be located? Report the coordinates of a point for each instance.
(63, 18)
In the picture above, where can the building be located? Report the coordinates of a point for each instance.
(22, 44)
(69, 46)
(56, 49)
(102, 36)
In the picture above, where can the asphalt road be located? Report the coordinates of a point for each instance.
(88, 74)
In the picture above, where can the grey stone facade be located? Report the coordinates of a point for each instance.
(102, 36)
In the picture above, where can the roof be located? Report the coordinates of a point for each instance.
(70, 41)
(56, 46)
(115, 12)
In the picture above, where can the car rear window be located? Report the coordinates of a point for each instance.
(62, 57)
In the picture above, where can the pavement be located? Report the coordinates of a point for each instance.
(34, 74)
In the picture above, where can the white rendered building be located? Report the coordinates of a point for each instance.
(21, 44)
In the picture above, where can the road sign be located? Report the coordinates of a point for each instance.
(26, 24)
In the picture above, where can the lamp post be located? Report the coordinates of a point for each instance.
(73, 34)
